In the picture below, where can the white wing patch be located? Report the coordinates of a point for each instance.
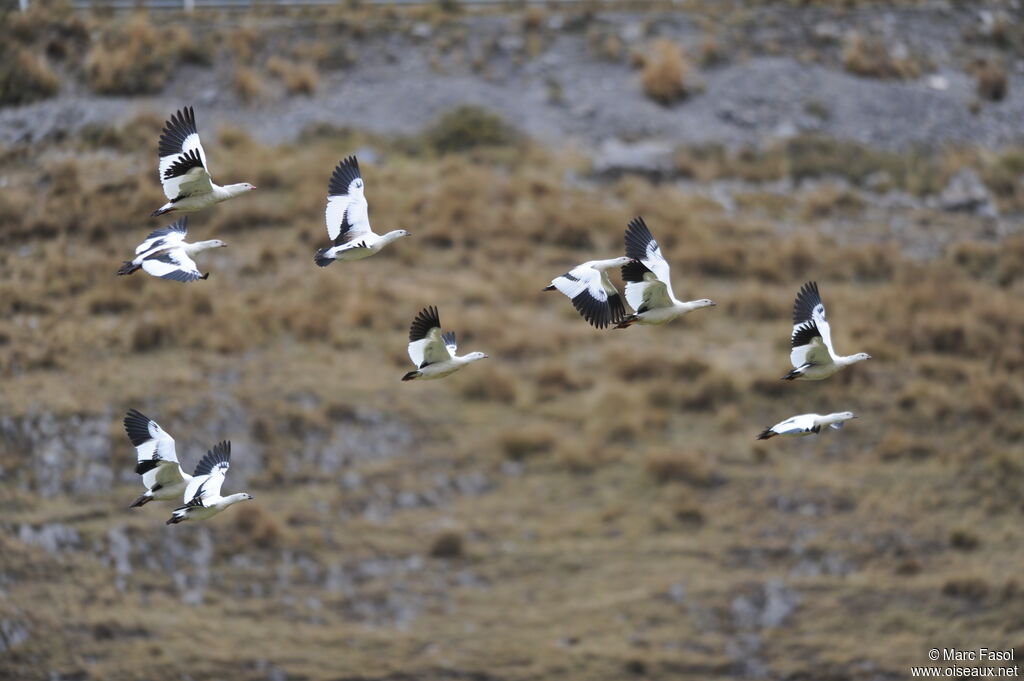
(173, 264)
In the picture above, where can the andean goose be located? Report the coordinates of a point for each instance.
(592, 293)
(183, 170)
(806, 424)
(432, 352)
(202, 495)
(167, 255)
(348, 220)
(812, 355)
(157, 461)
(648, 285)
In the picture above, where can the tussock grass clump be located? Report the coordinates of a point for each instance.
(672, 467)
(872, 58)
(664, 72)
(25, 77)
(299, 78)
(448, 544)
(466, 128)
(135, 58)
(248, 84)
(991, 80)
(519, 444)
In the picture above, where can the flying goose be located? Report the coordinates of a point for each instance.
(592, 293)
(202, 495)
(648, 285)
(812, 355)
(348, 221)
(167, 255)
(432, 352)
(183, 170)
(157, 461)
(806, 424)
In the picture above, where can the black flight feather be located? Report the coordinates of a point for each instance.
(219, 456)
(633, 272)
(426, 320)
(346, 171)
(806, 300)
(637, 239)
(594, 311)
(176, 131)
(136, 425)
(448, 338)
(181, 227)
(188, 161)
(143, 467)
(805, 334)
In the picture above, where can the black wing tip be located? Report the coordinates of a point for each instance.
(143, 467)
(427, 319)
(178, 127)
(633, 272)
(804, 334)
(638, 236)
(220, 453)
(346, 171)
(597, 313)
(136, 425)
(807, 298)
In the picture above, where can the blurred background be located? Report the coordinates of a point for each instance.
(584, 504)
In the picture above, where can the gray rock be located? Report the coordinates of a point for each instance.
(648, 157)
(965, 192)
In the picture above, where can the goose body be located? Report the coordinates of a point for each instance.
(202, 495)
(348, 218)
(156, 460)
(434, 352)
(592, 292)
(648, 281)
(166, 254)
(812, 356)
(807, 424)
(184, 174)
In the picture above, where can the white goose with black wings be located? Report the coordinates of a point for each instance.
(648, 281)
(166, 254)
(812, 355)
(156, 460)
(184, 174)
(202, 494)
(592, 292)
(807, 424)
(434, 352)
(348, 218)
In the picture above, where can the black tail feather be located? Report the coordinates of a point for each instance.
(549, 288)
(627, 321)
(791, 375)
(141, 501)
(128, 267)
(321, 259)
(766, 434)
(411, 375)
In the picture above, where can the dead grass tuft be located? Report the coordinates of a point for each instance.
(664, 72)
(135, 58)
(991, 80)
(448, 545)
(872, 58)
(671, 467)
(25, 77)
(298, 77)
(248, 84)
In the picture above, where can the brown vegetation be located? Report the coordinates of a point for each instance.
(665, 71)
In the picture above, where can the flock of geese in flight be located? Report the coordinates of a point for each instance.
(186, 181)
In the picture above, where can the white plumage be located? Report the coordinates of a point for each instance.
(592, 292)
(202, 494)
(807, 424)
(812, 355)
(348, 218)
(156, 460)
(184, 174)
(648, 281)
(432, 351)
(167, 255)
